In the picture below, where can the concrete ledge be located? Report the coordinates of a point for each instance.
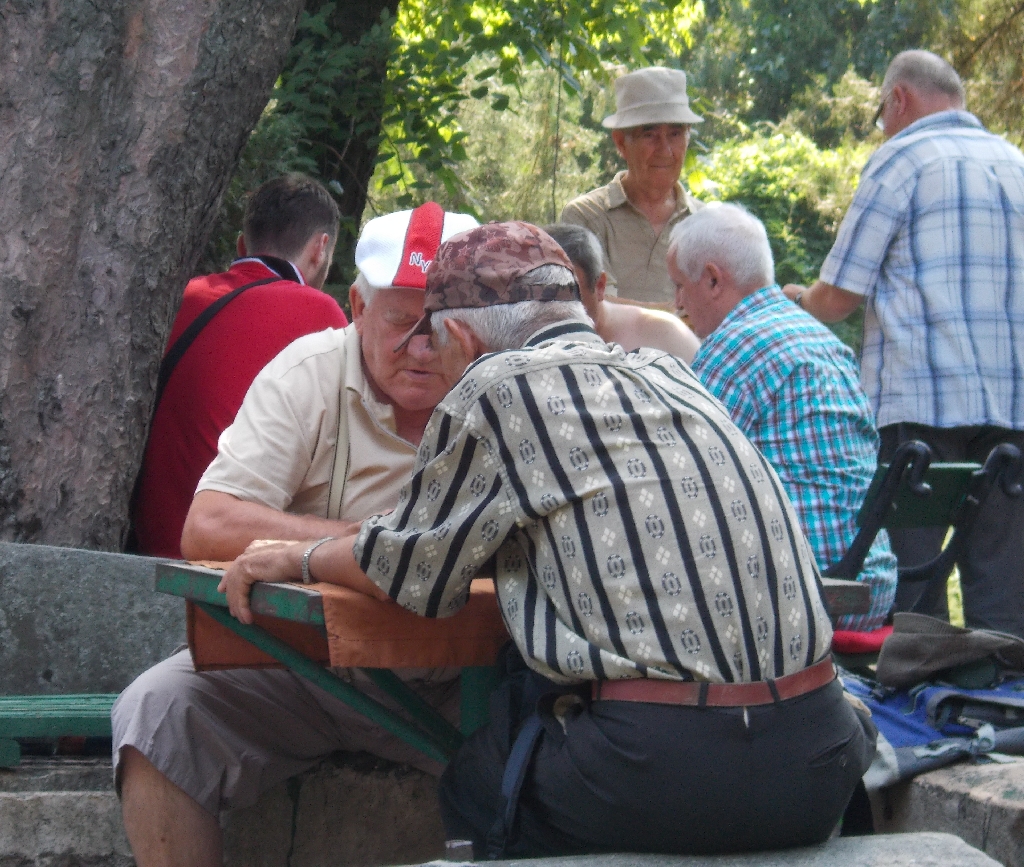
(889, 850)
(352, 809)
(80, 621)
(983, 804)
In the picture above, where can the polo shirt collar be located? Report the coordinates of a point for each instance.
(763, 297)
(617, 195)
(562, 331)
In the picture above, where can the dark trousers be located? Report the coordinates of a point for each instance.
(992, 565)
(631, 777)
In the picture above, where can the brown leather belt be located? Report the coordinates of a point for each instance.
(716, 694)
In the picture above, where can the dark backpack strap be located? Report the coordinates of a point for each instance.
(511, 785)
(188, 336)
(167, 365)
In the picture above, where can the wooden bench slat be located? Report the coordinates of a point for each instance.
(288, 601)
(40, 716)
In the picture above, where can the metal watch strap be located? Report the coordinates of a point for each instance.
(306, 577)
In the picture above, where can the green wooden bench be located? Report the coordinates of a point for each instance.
(50, 716)
(423, 727)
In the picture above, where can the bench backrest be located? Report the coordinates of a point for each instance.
(948, 484)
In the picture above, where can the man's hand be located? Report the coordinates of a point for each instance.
(264, 560)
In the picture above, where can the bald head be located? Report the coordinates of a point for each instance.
(926, 73)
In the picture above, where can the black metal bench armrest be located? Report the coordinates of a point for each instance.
(911, 461)
(1002, 467)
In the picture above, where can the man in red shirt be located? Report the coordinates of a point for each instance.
(285, 251)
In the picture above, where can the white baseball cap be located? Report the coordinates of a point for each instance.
(397, 249)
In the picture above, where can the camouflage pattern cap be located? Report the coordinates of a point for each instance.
(477, 268)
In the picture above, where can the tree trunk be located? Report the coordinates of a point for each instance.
(120, 125)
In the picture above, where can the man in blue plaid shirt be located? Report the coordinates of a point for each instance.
(789, 384)
(933, 246)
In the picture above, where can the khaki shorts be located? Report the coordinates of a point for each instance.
(224, 737)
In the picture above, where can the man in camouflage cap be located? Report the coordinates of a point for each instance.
(670, 688)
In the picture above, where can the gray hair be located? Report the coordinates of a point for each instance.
(581, 246)
(731, 237)
(926, 72)
(508, 326)
(366, 291)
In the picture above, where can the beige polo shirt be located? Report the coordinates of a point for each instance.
(280, 449)
(634, 257)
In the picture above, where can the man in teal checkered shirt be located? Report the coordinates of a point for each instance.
(789, 384)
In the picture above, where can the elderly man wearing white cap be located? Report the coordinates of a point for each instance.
(326, 435)
(634, 214)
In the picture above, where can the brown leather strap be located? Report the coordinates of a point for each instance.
(716, 694)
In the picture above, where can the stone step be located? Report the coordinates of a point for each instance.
(981, 803)
(357, 810)
(881, 850)
(352, 809)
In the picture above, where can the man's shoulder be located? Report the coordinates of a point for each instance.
(587, 205)
(321, 349)
(633, 326)
(596, 204)
(939, 138)
(770, 331)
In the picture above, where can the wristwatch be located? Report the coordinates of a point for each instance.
(306, 577)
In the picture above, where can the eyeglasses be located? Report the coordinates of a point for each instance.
(877, 119)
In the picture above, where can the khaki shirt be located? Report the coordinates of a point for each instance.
(634, 257)
(280, 449)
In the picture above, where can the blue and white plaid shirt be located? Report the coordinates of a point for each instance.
(791, 386)
(934, 239)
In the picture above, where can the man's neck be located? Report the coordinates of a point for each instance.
(410, 425)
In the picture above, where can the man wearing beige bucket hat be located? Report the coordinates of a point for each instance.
(634, 214)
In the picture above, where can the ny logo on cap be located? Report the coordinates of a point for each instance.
(416, 259)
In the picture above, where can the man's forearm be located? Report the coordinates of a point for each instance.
(220, 526)
(825, 302)
(331, 562)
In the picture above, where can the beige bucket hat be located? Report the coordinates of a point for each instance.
(652, 95)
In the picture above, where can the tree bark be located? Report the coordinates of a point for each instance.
(120, 125)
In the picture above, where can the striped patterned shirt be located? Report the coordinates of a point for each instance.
(632, 529)
(934, 239)
(792, 388)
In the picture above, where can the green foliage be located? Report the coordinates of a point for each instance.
(987, 43)
(510, 156)
(799, 191)
(752, 56)
(272, 150)
(452, 51)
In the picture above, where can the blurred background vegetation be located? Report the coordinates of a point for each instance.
(495, 108)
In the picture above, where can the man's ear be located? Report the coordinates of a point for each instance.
(357, 305)
(600, 286)
(319, 247)
(713, 275)
(471, 345)
(619, 138)
(240, 246)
